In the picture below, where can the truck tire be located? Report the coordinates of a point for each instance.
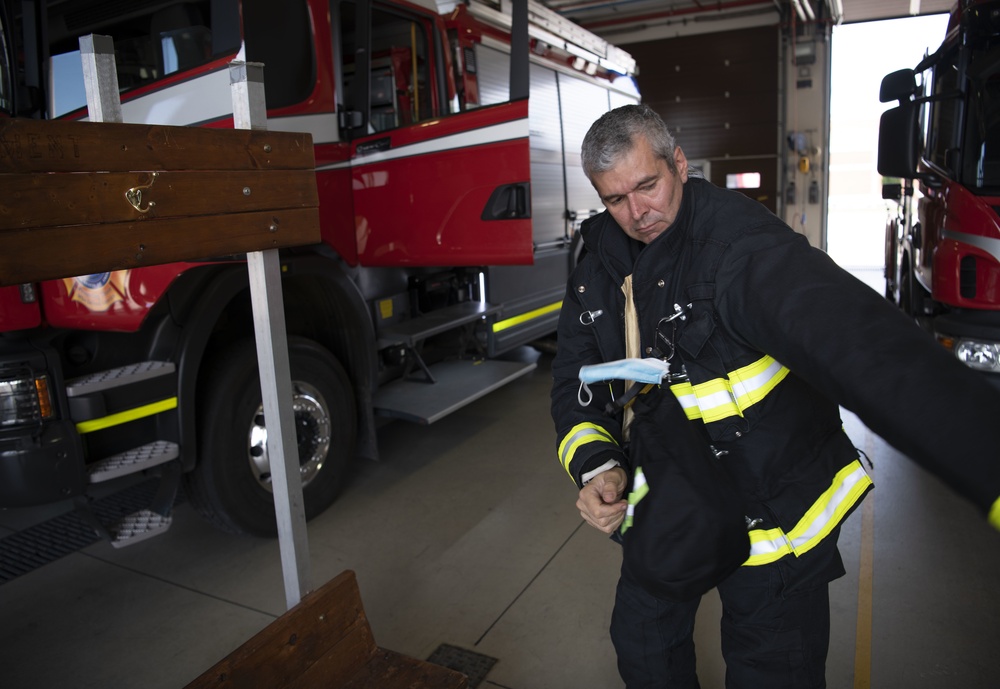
(904, 290)
(911, 294)
(230, 484)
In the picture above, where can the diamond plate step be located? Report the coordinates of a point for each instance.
(457, 383)
(138, 526)
(24, 551)
(411, 332)
(133, 461)
(118, 377)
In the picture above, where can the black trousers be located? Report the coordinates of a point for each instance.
(775, 627)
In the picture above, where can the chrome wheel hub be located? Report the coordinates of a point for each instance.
(312, 433)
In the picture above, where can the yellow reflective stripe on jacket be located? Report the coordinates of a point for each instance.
(581, 434)
(639, 490)
(724, 397)
(994, 517)
(848, 486)
(767, 546)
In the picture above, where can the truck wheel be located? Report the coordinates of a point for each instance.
(906, 291)
(912, 295)
(231, 483)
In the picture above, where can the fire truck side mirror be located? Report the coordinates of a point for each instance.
(898, 141)
(898, 85)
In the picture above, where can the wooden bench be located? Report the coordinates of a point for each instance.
(89, 197)
(324, 641)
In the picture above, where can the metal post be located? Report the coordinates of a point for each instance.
(520, 83)
(100, 78)
(249, 112)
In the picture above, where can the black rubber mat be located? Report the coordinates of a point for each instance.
(27, 550)
(473, 665)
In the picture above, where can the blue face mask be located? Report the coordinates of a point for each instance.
(650, 371)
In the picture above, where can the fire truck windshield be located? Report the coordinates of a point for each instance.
(981, 159)
(152, 41)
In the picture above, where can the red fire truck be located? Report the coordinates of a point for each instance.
(942, 141)
(448, 208)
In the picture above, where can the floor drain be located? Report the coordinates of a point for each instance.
(473, 665)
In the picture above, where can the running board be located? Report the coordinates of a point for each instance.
(457, 383)
(410, 332)
(118, 377)
(138, 526)
(133, 461)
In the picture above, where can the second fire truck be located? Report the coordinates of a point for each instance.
(942, 140)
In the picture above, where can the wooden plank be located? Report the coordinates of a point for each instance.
(328, 623)
(48, 253)
(41, 200)
(324, 641)
(62, 146)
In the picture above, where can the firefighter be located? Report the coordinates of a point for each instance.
(768, 337)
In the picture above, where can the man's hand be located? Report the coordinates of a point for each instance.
(600, 502)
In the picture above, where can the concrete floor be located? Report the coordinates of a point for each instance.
(466, 534)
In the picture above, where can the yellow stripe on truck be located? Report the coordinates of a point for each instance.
(525, 317)
(126, 416)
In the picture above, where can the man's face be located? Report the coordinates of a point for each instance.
(641, 192)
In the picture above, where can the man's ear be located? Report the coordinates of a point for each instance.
(680, 160)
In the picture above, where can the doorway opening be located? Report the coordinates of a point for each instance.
(861, 55)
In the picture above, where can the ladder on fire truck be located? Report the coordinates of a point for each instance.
(553, 29)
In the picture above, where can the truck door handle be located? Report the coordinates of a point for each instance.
(509, 202)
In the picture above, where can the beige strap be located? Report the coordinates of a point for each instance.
(631, 345)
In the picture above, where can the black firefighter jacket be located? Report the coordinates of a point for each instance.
(775, 338)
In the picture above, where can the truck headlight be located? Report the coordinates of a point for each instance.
(978, 354)
(24, 400)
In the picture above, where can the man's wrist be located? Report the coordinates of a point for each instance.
(607, 466)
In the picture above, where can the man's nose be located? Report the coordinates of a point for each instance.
(636, 206)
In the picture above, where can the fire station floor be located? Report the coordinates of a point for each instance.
(466, 535)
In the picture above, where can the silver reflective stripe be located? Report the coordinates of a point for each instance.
(847, 488)
(579, 435)
(721, 398)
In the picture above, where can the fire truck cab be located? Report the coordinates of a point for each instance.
(448, 208)
(942, 144)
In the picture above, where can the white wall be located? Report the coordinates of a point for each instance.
(806, 96)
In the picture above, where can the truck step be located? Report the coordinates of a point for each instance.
(411, 332)
(458, 383)
(117, 377)
(133, 461)
(138, 526)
